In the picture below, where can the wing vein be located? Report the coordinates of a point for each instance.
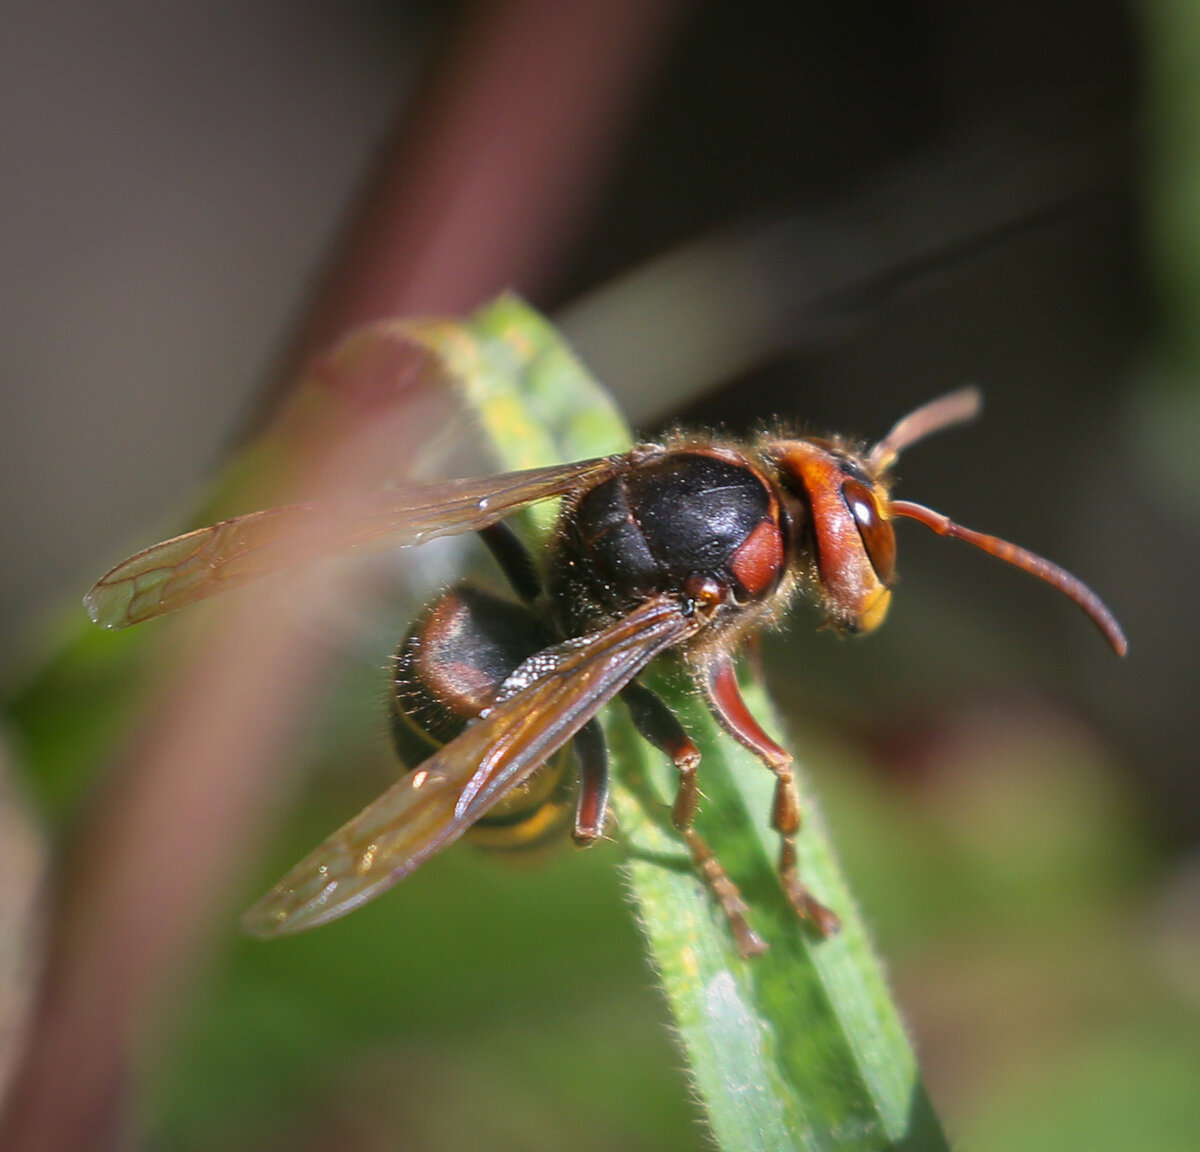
(433, 806)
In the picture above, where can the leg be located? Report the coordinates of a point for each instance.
(659, 725)
(591, 810)
(725, 700)
(514, 560)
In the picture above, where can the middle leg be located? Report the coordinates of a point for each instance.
(660, 726)
(725, 701)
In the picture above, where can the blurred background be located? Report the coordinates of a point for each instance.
(738, 213)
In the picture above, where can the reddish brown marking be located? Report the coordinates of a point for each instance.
(840, 552)
(462, 687)
(589, 815)
(848, 581)
(726, 699)
(758, 563)
(683, 752)
(721, 452)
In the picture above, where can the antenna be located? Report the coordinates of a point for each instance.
(944, 412)
(1027, 561)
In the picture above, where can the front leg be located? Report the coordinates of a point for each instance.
(725, 700)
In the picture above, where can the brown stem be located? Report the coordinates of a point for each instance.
(481, 190)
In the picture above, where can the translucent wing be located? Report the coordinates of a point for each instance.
(209, 560)
(548, 699)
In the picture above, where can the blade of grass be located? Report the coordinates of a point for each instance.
(801, 1048)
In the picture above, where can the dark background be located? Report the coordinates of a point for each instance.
(821, 215)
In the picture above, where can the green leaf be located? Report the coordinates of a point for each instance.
(799, 1048)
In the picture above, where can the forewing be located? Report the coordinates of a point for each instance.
(550, 698)
(200, 564)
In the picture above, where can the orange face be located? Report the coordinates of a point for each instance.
(850, 528)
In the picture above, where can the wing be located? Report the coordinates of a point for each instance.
(550, 698)
(209, 560)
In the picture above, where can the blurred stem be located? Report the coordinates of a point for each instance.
(482, 190)
(493, 165)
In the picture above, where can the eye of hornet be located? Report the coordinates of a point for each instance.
(877, 535)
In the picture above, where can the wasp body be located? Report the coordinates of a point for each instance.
(684, 547)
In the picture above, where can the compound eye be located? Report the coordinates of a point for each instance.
(877, 535)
